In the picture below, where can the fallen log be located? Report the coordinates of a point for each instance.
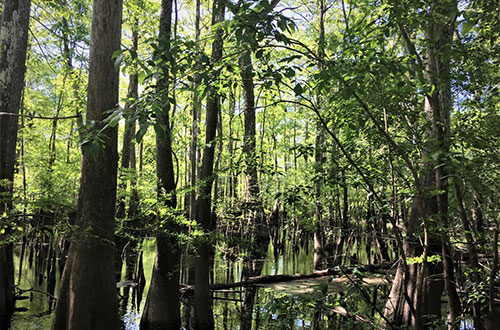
(266, 279)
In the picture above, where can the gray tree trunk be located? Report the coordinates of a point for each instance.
(257, 229)
(87, 294)
(415, 297)
(318, 237)
(194, 150)
(13, 43)
(128, 152)
(203, 316)
(162, 309)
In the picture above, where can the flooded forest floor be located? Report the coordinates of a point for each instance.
(346, 298)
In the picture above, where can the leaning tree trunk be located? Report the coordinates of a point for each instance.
(87, 294)
(162, 309)
(203, 316)
(13, 43)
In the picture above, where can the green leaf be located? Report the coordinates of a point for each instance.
(91, 147)
(117, 53)
(141, 131)
(289, 72)
(282, 24)
(289, 59)
(160, 130)
(298, 90)
(119, 61)
(467, 27)
(141, 76)
(114, 119)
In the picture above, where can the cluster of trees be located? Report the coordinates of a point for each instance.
(365, 126)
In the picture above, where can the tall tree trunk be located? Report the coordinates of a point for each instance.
(251, 268)
(87, 294)
(68, 55)
(438, 109)
(125, 163)
(195, 129)
(203, 316)
(257, 231)
(232, 177)
(416, 297)
(133, 202)
(473, 256)
(194, 158)
(132, 253)
(318, 237)
(344, 226)
(162, 310)
(13, 43)
(53, 133)
(133, 206)
(318, 241)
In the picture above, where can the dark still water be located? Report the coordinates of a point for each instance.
(303, 304)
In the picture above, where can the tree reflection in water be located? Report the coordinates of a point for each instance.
(305, 304)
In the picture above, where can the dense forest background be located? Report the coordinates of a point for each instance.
(365, 133)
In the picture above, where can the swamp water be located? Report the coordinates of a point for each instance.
(301, 304)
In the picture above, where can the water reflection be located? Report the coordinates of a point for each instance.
(313, 306)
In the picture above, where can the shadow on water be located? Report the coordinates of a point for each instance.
(313, 304)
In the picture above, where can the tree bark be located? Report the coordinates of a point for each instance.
(344, 227)
(162, 310)
(318, 237)
(473, 256)
(128, 152)
(194, 150)
(13, 43)
(438, 110)
(415, 298)
(203, 316)
(87, 294)
(232, 178)
(257, 231)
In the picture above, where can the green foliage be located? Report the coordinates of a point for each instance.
(9, 229)
(367, 88)
(418, 260)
